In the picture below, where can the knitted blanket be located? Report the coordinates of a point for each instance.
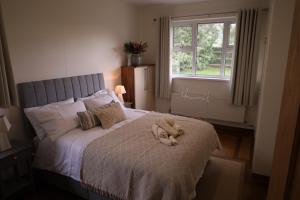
(130, 164)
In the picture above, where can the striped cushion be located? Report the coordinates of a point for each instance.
(87, 120)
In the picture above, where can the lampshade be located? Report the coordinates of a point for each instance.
(4, 124)
(120, 89)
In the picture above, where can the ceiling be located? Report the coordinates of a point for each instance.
(165, 1)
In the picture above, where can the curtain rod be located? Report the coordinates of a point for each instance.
(208, 14)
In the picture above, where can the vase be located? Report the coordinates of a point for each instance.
(129, 59)
(136, 59)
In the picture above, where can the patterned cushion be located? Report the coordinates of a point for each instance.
(87, 120)
(110, 114)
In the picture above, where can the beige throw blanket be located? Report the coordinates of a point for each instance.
(130, 164)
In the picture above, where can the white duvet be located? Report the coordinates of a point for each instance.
(64, 155)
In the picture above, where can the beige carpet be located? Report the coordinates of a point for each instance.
(222, 180)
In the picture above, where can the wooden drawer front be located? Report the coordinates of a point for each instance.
(11, 160)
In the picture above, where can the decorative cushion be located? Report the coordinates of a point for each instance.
(110, 114)
(87, 120)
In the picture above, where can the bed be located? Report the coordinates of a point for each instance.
(124, 161)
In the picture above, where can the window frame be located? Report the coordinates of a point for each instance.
(226, 47)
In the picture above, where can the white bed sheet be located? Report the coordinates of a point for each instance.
(64, 156)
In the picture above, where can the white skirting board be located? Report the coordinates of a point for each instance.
(214, 108)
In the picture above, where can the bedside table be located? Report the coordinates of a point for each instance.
(15, 169)
(128, 104)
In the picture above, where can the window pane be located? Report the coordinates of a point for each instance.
(229, 58)
(232, 34)
(182, 62)
(228, 63)
(209, 49)
(182, 36)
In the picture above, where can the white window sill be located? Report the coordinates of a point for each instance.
(201, 78)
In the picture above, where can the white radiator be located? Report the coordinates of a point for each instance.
(206, 106)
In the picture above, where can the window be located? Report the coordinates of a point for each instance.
(203, 47)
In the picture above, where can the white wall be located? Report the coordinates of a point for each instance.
(272, 88)
(59, 38)
(148, 31)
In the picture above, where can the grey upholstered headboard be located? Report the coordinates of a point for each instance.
(39, 93)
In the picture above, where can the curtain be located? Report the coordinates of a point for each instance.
(7, 86)
(246, 58)
(163, 69)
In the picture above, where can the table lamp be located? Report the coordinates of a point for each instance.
(4, 128)
(120, 90)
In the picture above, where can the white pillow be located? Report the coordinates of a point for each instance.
(57, 120)
(40, 132)
(92, 96)
(98, 101)
(110, 93)
(85, 98)
(105, 91)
